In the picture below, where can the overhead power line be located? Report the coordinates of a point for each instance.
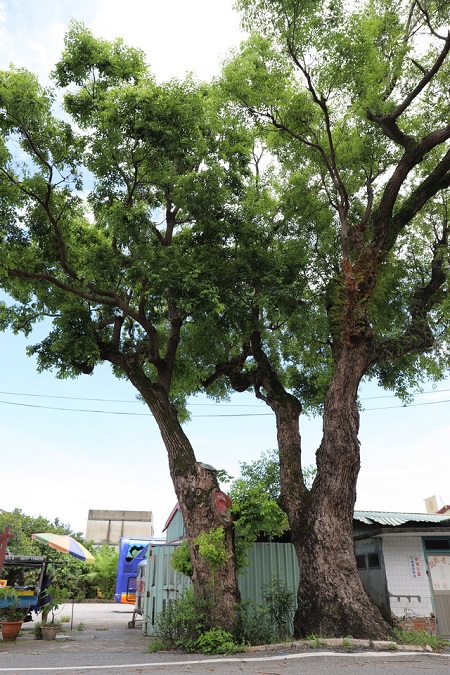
(228, 405)
(118, 412)
(117, 400)
(146, 414)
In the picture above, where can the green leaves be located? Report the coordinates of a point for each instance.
(87, 58)
(255, 499)
(298, 197)
(105, 571)
(122, 266)
(211, 547)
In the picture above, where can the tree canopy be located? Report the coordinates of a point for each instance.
(353, 102)
(155, 234)
(105, 211)
(118, 218)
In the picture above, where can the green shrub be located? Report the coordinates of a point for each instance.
(37, 630)
(314, 641)
(181, 623)
(272, 622)
(279, 601)
(218, 641)
(103, 572)
(155, 645)
(254, 625)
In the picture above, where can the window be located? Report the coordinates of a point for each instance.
(361, 562)
(373, 561)
(437, 544)
(369, 561)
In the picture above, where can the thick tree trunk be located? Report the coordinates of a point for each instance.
(332, 600)
(195, 487)
(217, 592)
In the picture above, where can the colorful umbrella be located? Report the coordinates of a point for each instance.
(66, 544)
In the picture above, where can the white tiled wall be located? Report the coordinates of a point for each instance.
(397, 552)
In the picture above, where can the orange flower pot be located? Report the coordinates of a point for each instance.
(10, 630)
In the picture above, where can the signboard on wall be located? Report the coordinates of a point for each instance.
(440, 572)
(414, 567)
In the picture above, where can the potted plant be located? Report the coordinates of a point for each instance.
(50, 623)
(12, 613)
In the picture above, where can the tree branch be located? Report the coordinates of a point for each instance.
(430, 186)
(418, 336)
(437, 180)
(232, 368)
(388, 123)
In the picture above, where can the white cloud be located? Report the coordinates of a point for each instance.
(3, 12)
(401, 468)
(176, 35)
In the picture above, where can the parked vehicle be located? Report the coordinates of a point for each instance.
(29, 591)
(132, 551)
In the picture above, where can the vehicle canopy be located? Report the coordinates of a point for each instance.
(29, 587)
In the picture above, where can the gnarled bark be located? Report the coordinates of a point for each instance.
(332, 600)
(195, 485)
(331, 597)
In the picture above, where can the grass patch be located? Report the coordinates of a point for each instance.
(156, 645)
(420, 638)
(315, 642)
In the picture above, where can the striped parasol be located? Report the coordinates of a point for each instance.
(65, 544)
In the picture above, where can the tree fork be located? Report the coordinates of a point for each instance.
(332, 600)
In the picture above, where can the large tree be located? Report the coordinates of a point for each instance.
(114, 220)
(353, 101)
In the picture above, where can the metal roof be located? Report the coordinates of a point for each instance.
(391, 518)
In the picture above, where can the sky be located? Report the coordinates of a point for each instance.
(73, 445)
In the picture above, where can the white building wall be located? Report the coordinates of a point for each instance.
(406, 576)
(107, 527)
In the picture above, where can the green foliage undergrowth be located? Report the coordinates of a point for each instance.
(184, 623)
(419, 638)
(218, 641)
(180, 624)
(271, 622)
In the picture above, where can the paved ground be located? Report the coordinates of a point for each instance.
(96, 639)
(99, 626)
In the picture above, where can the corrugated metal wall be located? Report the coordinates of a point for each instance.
(162, 584)
(266, 563)
(175, 529)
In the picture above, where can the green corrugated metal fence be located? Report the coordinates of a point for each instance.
(266, 562)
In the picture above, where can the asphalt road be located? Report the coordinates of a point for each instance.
(100, 643)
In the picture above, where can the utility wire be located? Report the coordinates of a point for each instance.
(116, 400)
(118, 412)
(112, 412)
(228, 405)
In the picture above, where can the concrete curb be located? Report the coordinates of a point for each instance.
(348, 644)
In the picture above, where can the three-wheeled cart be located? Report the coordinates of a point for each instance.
(29, 593)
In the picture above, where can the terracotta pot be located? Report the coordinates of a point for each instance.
(49, 632)
(10, 630)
